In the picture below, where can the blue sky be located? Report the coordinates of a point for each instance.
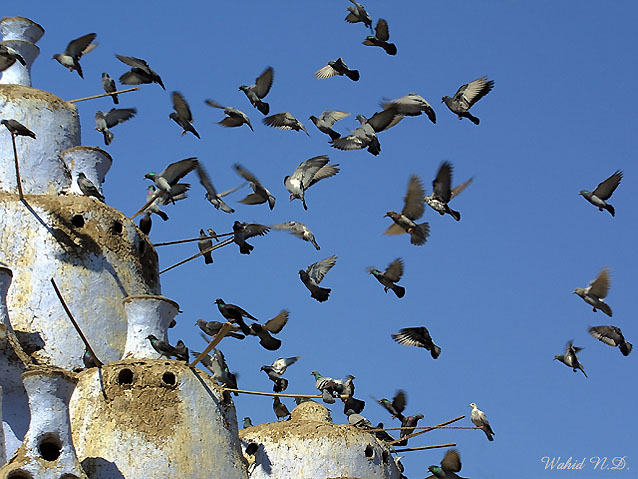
(495, 289)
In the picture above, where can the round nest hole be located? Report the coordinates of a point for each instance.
(77, 221)
(50, 448)
(369, 452)
(19, 474)
(168, 378)
(117, 227)
(125, 376)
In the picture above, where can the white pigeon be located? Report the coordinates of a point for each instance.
(480, 420)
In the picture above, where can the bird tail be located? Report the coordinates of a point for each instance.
(471, 117)
(263, 107)
(390, 48)
(455, 214)
(280, 385)
(115, 99)
(435, 351)
(420, 234)
(398, 290)
(489, 435)
(245, 248)
(625, 348)
(580, 366)
(611, 209)
(314, 243)
(353, 75)
(208, 258)
(162, 215)
(321, 294)
(108, 137)
(78, 68)
(604, 307)
(374, 147)
(333, 134)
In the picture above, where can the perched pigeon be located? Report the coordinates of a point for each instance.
(307, 174)
(259, 90)
(109, 86)
(212, 234)
(212, 328)
(140, 73)
(298, 229)
(570, 358)
(111, 118)
(234, 314)
(357, 420)
(480, 420)
(181, 351)
(263, 331)
(247, 422)
(233, 118)
(313, 275)
(603, 192)
(409, 422)
(381, 37)
(410, 105)
(366, 135)
(326, 120)
(596, 292)
(243, 231)
(419, 337)
(330, 388)
(611, 335)
(162, 347)
(383, 436)
(285, 121)
(391, 275)
(88, 188)
(358, 14)
(337, 67)
(413, 209)
(8, 56)
(17, 129)
(396, 406)
(450, 465)
(74, 51)
(146, 223)
(281, 411)
(212, 196)
(466, 96)
(171, 175)
(203, 244)
(442, 192)
(182, 114)
(260, 193)
(88, 360)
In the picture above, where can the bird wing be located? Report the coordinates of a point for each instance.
(204, 179)
(472, 92)
(399, 401)
(214, 104)
(276, 324)
(384, 120)
(325, 171)
(307, 169)
(332, 116)
(283, 121)
(247, 175)
(459, 188)
(412, 337)
(293, 227)
(178, 170)
(355, 141)
(253, 199)
(610, 335)
(414, 203)
(451, 461)
(254, 229)
(318, 270)
(228, 192)
(135, 63)
(77, 47)
(607, 187)
(395, 270)
(264, 82)
(326, 72)
(381, 30)
(230, 122)
(181, 107)
(600, 286)
(443, 181)
(118, 115)
(6, 62)
(394, 229)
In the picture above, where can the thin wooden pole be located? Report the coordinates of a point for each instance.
(422, 448)
(75, 324)
(103, 94)
(153, 197)
(15, 159)
(410, 436)
(285, 395)
(201, 253)
(223, 331)
(168, 243)
(429, 428)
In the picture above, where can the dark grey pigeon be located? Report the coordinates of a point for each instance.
(413, 209)
(419, 337)
(409, 422)
(280, 383)
(182, 114)
(357, 420)
(313, 275)
(396, 406)
(109, 86)
(234, 314)
(450, 465)
(260, 193)
(140, 73)
(234, 117)
(410, 105)
(366, 135)
(88, 188)
(466, 96)
(570, 358)
(298, 229)
(17, 129)
(612, 336)
(284, 121)
(255, 93)
(274, 326)
(390, 276)
(243, 231)
(307, 174)
(181, 351)
(358, 14)
(603, 192)
(212, 328)
(8, 56)
(146, 223)
(326, 120)
(111, 118)
(171, 175)
(162, 347)
(381, 37)
(204, 243)
(74, 51)
(337, 67)
(212, 196)
(442, 191)
(281, 411)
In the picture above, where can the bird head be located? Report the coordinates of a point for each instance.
(349, 412)
(316, 374)
(391, 214)
(418, 416)
(200, 322)
(580, 292)
(243, 88)
(373, 271)
(81, 176)
(173, 116)
(559, 357)
(150, 175)
(105, 75)
(472, 405)
(445, 98)
(219, 301)
(584, 193)
(151, 337)
(435, 470)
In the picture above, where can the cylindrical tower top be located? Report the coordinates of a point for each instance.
(21, 34)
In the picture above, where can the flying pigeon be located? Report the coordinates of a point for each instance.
(140, 73)
(596, 292)
(109, 86)
(603, 192)
(279, 383)
(480, 420)
(337, 67)
(17, 129)
(88, 188)
(410, 105)
(570, 358)
(298, 229)
(8, 56)
(419, 337)
(381, 37)
(396, 406)
(233, 118)
(259, 90)
(358, 14)
(111, 118)
(281, 411)
(182, 114)
(159, 198)
(466, 96)
(285, 121)
(413, 209)
(313, 275)
(263, 331)
(307, 174)
(450, 465)
(391, 275)
(234, 314)
(162, 347)
(212, 196)
(366, 135)
(212, 328)
(243, 231)
(281, 364)
(203, 244)
(409, 422)
(357, 420)
(74, 51)
(326, 120)
(171, 175)
(330, 388)
(612, 336)
(260, 193)
(442, 193)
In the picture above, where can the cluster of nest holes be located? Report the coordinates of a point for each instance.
(79, 222)
(126, 377)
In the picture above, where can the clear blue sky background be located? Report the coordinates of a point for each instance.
(495, 290)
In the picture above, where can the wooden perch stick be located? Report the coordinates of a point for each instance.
(15, 159)
(218, 245)
(103, 94)
(168, 243)
(409, 436)
(429, 428)
(77, 328)
(260, 393)
(226, 327)
(451, 444)
(153, 197)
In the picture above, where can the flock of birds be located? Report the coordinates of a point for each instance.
(167, 188)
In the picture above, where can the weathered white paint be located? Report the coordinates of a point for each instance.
(309, 446)
(21, 34)
(148, 428)
(3, 450)
(145, 315)
(93, 162)
(49, 392)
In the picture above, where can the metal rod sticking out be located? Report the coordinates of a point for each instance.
(15, 158)
(103, 94)
(201, 253)
(422, 448)
(168, 243)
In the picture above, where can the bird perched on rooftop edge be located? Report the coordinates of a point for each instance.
(8, 56)
(88, 188)
(182, 114)
(307, 174)
(479, 419)
(337, 67)
(366, 135)
(326, 120)
(442, 192)
(410, 105)
(281, 411)
(234, 117)
(413, 209)
(419, 337)
(140, 73)
(357, 420)
(298, 229)
(603, 192)
(247, 422)
(381, 37)
(570, 358)
(17, 129)
(255, 93)
(358, 14)
(466, 96)
(450, 465)
(109, 86)
(162, 347)
(243, 231)
(111, 118)
(612, 336)
(390, 276)
(260, 193)
(204, 243)
(596, 292)
(74, 51)
(284, 121)
(313, 275)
